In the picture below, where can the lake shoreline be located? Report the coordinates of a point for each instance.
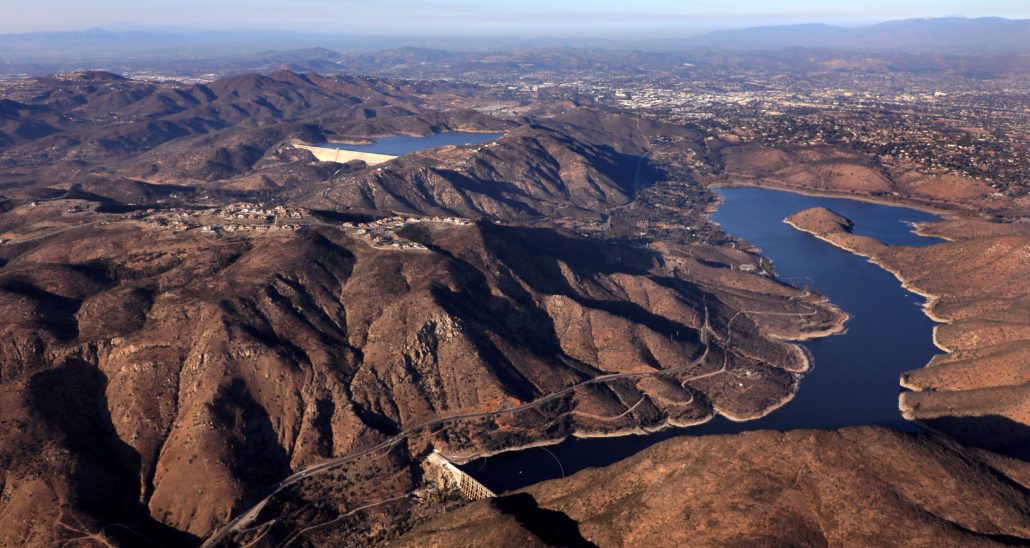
(928, 304)
(810, 411)
(898, 202)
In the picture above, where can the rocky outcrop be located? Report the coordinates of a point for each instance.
(567, 166)
(182, 375)
(856, 486)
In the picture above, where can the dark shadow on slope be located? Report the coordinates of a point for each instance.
(1006, 540)
(345, 216)
(51, 312)
(994, 433)
(104, 471)
(517, 320)
(535, 255)
(552, 527)
(504, 192)
(253, 452)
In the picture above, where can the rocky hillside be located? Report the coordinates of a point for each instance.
(193, 311)
(577, 165)
(135, 361)
(979, 389)
(97, 122)
(828, 169)
(857, 486)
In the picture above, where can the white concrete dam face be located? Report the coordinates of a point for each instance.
(340, 156)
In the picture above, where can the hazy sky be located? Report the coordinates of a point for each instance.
(477, 16)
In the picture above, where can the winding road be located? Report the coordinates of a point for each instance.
(706, 332)
(247, 516)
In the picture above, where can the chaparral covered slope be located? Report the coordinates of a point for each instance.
(979, 389)
(857, 486)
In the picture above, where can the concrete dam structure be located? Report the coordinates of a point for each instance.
(452, 477)
(340, 156)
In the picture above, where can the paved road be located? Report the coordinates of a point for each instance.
(252, 513)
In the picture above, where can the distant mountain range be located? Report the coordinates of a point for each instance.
(936, 35)
(951, 34)
(195, 52)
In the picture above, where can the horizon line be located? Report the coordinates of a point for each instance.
(113, 28)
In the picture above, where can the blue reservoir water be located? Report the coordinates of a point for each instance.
(404, 144)
(856, 374)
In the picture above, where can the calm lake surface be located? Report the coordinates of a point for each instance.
(855, 379)
(403, 144)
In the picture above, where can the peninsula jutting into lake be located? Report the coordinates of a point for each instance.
(491, 281)
(855, 378)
